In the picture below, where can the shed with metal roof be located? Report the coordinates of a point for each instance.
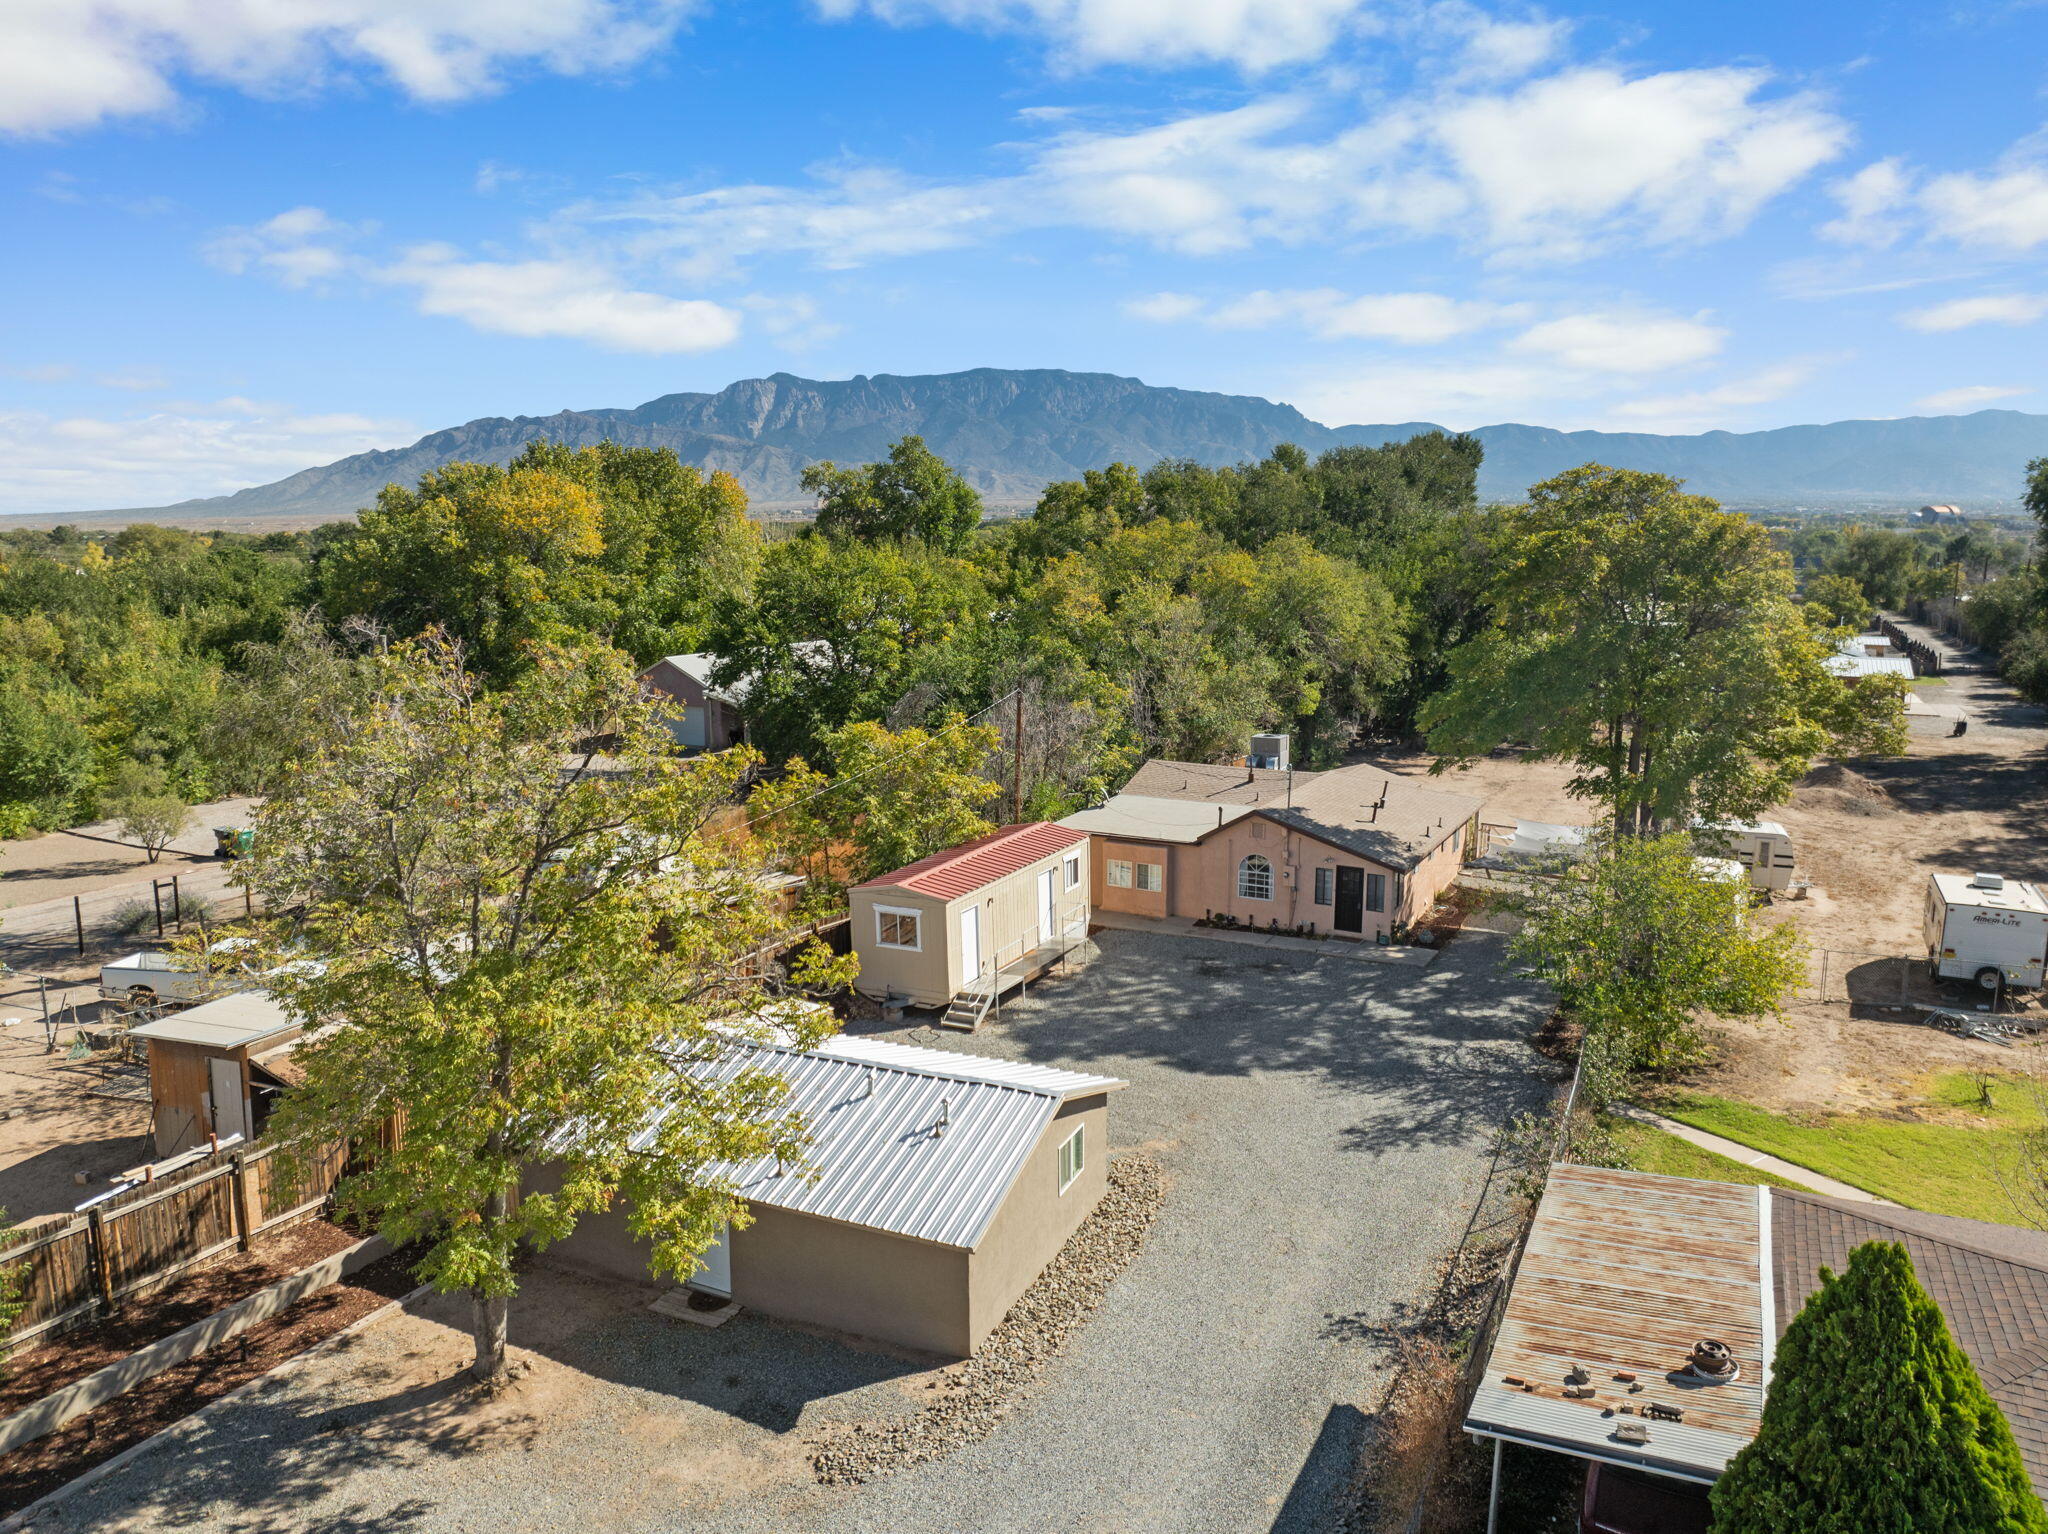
(935, 1188)
(207, 1070)
(974, 919)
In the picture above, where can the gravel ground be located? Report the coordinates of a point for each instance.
(1322, 1129)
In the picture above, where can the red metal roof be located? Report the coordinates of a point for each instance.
(977, 864)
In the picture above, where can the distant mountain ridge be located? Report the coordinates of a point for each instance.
(1013, 431)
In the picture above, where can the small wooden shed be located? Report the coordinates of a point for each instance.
(216, 1068)
(972, 916)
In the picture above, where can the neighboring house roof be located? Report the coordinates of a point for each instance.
(922, 1143)
(974, 865)
(247, 1017)
(1209, 782)
(1991, 1282)
(1624, 1270)
(1849, 660)
(1390, 819)
(698, 668)
(1144, 818)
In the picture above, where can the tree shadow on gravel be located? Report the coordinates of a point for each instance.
(1442, 1054)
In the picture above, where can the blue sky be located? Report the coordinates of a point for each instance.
(244, 238)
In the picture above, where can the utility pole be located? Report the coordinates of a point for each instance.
(1017, 770)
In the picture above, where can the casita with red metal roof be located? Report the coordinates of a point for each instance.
(962, 927)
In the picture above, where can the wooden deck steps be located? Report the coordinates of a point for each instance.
(967, 1010)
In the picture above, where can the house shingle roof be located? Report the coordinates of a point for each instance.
(1392, 820)
(1991, 1282)
(1163, 779)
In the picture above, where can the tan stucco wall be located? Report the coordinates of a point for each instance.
(1202, 878)
(934, 975)
(1132, 901)
(801, 1268)
(856, 1280)
(1036, 1219)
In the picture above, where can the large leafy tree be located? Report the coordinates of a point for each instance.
(1876, 1422)
(515, 957)
(838, 631)
(888, 798)
(1653, 640)
(1640, 943)
(913, 493)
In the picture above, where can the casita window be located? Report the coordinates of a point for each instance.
(896, 928)
(1255, 879)
(1072, 1158)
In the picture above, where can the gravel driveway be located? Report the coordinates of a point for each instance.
(1323, 1125)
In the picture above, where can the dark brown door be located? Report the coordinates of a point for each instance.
(1350, 915)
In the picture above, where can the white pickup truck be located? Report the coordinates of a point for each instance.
(153, 977)
(1986, 928)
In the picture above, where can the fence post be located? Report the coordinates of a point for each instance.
(238, 1188)
(177, 904)
(78, 915)
(1824, 974)
(96, 1255)
(156, 898)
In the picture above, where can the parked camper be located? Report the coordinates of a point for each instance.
(1762, 847)
(1986, 928)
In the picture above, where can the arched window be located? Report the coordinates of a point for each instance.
(1255, 879)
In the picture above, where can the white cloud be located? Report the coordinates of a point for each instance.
(1622, 341)
(1949, 401)
(74, 63)
(572, 298)
(1707, 409)
(1412, 319)
(2006, 211)
(1985, 309)
(1871, 203)
(1555, 168)
(558, 298)
(1250, 34)
(1459, 395)
(94, 463)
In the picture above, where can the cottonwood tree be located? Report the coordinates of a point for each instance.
(1639, 943)
(513, 950)
(888, 798)
(1652, 640)
(1876, 1422)
(911, 494)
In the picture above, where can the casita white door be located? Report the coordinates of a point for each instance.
(225, 1079)
(1046, 915)
(970, 944)
(715, 1277)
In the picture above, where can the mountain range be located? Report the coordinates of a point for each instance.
(1013, 431)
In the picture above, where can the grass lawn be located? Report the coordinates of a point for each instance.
(1942, 1159)
(1650, 1149)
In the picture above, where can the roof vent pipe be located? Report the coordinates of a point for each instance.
(867, 1082)
(945, 1117)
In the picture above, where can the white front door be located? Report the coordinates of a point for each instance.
(970, 944)
(1046, 916)
(715, 1276)
(225, 1078)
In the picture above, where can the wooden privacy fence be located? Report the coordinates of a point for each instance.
(81, 1269)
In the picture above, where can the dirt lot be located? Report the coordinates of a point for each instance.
(56, 1126)
(1867, 833)
(60, 864)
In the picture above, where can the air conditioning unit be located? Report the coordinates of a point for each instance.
(1270, 752)
(1987, 881)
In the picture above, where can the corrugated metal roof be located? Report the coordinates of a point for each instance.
(1147, 818)
(227, 1023)
(977, 864)
(1625, 1271)
(877, 1156)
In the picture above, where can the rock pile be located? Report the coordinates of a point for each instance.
(976, 1397)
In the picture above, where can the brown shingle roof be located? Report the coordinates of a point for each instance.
(1991, 1282)
(1162, 779)
(1377, 814)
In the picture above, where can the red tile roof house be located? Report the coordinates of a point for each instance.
(972, 920)
(1358, 852)
(1624, 1272)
